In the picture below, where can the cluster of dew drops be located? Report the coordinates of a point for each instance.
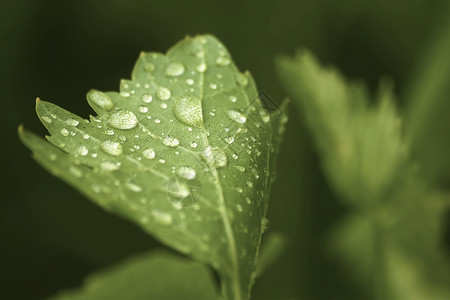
(187, 109)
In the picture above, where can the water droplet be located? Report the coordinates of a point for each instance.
(249, 184)
(149, 153)
(213, 86)
(47, 119)
(194, 145)
(186, 173)
(170, 141)
(229, 140)
(239, 208)
(146, 98)
(236, 116)
(223, 61)
(175, 69)
(112, 148)
(143, 109)
(75, 172)
(240, 168)
(86, 136)
(72, 122)
(149, 67)
(163, 105)
(122, 119)
(215, 156)
(100, 99)
(189, 111)
(162, 217)
(133, 187)
(233, 98)
(190, 81)
(235, 156)
(239, 190)
(265, 116)
(241, 79)
(108, 166)
(64, 132)
(125, 94)
(163, 93)
(264, 224)
(83, 151)
(201, 67)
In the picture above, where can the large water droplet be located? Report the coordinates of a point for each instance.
(170, 141)
(149, 153)
(100, 99)
(175, 69)
(163, 93)
(186, 173)
(215, 157)
(236, 116)
(123, 119)
(189, 111)
(112, 148)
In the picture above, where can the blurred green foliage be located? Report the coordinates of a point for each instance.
(52, 237)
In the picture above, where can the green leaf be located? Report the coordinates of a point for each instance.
(155, 275)
(391, 240)
(348, 131)
(185, 150)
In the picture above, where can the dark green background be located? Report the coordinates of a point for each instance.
(51, 236)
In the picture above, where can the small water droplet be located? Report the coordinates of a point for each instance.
(235, 156)
(163, 105)
(229, 140)
(241, 79)
(190, 81)
(236, 116)
(189, 111)
(146, 98)
(240, 168)
(108, 166)
(264, 224)
(201, 67)
(64, 132)
(162, 217)
(149, 67)
(163, 93)
(143, 109)
(83, 151)
(75, 172)
(47, 119)
(186, 173)
(125, 94)
(122, 119)
(149, 153)
(72, 122)
(239, 208)
(175, 69)
(233, 98)
(112, 148)
(170, 141)
(223, 61)
(249, 184)
(194, 145)
(215, 156)
(100, 99)
(133, 187)
(213, 86)
(265, 116)
(86, 136)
